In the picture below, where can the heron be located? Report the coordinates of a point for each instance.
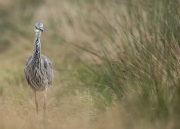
(38, 68)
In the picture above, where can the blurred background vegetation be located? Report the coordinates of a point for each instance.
(116, 63)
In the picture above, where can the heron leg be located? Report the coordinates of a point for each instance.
(36, 101)
(44, 107)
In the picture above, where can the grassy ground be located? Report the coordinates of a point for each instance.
(116, 63)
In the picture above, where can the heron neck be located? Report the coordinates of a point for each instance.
(37, 47)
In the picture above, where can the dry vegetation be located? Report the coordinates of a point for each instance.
(116, 64)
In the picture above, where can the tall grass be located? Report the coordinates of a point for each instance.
(138, 59)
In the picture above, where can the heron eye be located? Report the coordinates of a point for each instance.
(36, 27)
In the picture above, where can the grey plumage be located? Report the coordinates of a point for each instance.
(38, 69)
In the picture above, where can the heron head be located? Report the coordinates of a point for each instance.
(38, 28)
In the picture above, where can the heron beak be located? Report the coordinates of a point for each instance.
(41, 29)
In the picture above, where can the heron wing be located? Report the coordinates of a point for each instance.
(27, 62)
(49, 69)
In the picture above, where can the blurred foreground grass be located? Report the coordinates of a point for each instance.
(116, 63)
